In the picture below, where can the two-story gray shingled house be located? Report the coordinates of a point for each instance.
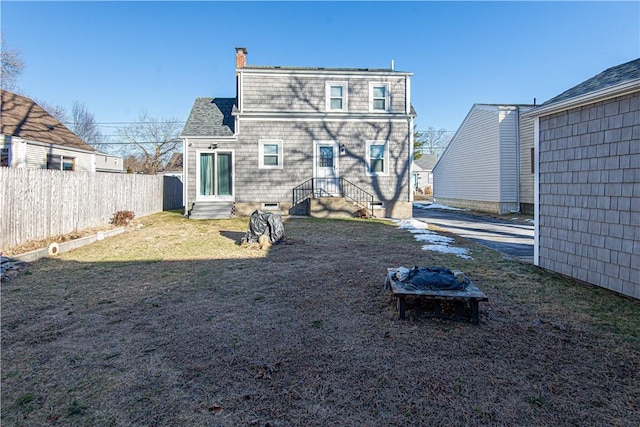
(302, 140)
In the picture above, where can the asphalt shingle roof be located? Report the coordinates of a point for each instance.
(609, 77)
(427, 161)
(23, 118)
(210, 117)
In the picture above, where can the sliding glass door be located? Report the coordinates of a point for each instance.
(214, 175)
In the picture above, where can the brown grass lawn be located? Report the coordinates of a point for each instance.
(174, 324)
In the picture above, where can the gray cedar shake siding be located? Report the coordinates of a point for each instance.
(289, 104)
(305, 91)
(588, 199)
(210, 122)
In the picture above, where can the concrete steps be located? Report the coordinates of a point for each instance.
(211, 210)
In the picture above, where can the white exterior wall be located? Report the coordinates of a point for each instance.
(470, 166)
(33, 155)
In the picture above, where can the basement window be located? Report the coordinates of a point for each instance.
(271, 206)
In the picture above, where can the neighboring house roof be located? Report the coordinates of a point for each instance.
(527, 107)
(426, 162)
(611, 82)
(210, 117)
(23, 118)
(174, 164)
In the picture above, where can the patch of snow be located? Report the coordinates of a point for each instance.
(437, 242)
(411, 224)
(433, 238)
(531, 221)
(446, 249)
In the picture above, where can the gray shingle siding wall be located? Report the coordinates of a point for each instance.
(589, 193)
(306, 93)
(258, 184)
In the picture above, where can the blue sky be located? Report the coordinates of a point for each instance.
(123, 58)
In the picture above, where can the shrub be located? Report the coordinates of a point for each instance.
(122, 218)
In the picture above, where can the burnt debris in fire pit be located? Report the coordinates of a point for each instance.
(429, 278)
(264, 224)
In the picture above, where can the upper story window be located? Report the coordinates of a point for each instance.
(377, 158)
(379, 96)
(336, 94)
(4, 156)
(270, 154)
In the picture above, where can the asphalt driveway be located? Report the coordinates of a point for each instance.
(511, 237)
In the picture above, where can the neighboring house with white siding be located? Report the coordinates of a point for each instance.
(32, 138)
(300, 139)
(481, 167)
(423, 173)
(587, 141)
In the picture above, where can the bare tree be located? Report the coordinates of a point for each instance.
(83, 124)
(152, 140)
(57, 111)
(12, 66)
(432, 141)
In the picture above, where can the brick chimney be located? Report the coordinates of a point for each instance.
(241, 57)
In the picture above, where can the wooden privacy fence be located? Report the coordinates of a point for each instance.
(39, 203)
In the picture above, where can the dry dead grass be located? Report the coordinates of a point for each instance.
(176, 324)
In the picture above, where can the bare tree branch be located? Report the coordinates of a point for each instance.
(153, 141)
(12, 66)
(84, 125)
(431, 141)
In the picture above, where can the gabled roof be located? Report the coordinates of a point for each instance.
(210, 117)
(23, 118)
(609, 77)
(175, 163)
(426, 162)
(612, 82)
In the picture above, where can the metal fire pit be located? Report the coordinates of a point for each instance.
(433, 288)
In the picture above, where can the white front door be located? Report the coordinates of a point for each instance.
(326, 171)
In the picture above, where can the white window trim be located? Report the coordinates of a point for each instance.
(385, 170)
(387, 102)
(261, 144)
(198, 197)
(345, 92)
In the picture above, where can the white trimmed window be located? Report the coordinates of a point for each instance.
(379, 96)
(336, 95)
(377, 156)
(270, 153)
(60, 162)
